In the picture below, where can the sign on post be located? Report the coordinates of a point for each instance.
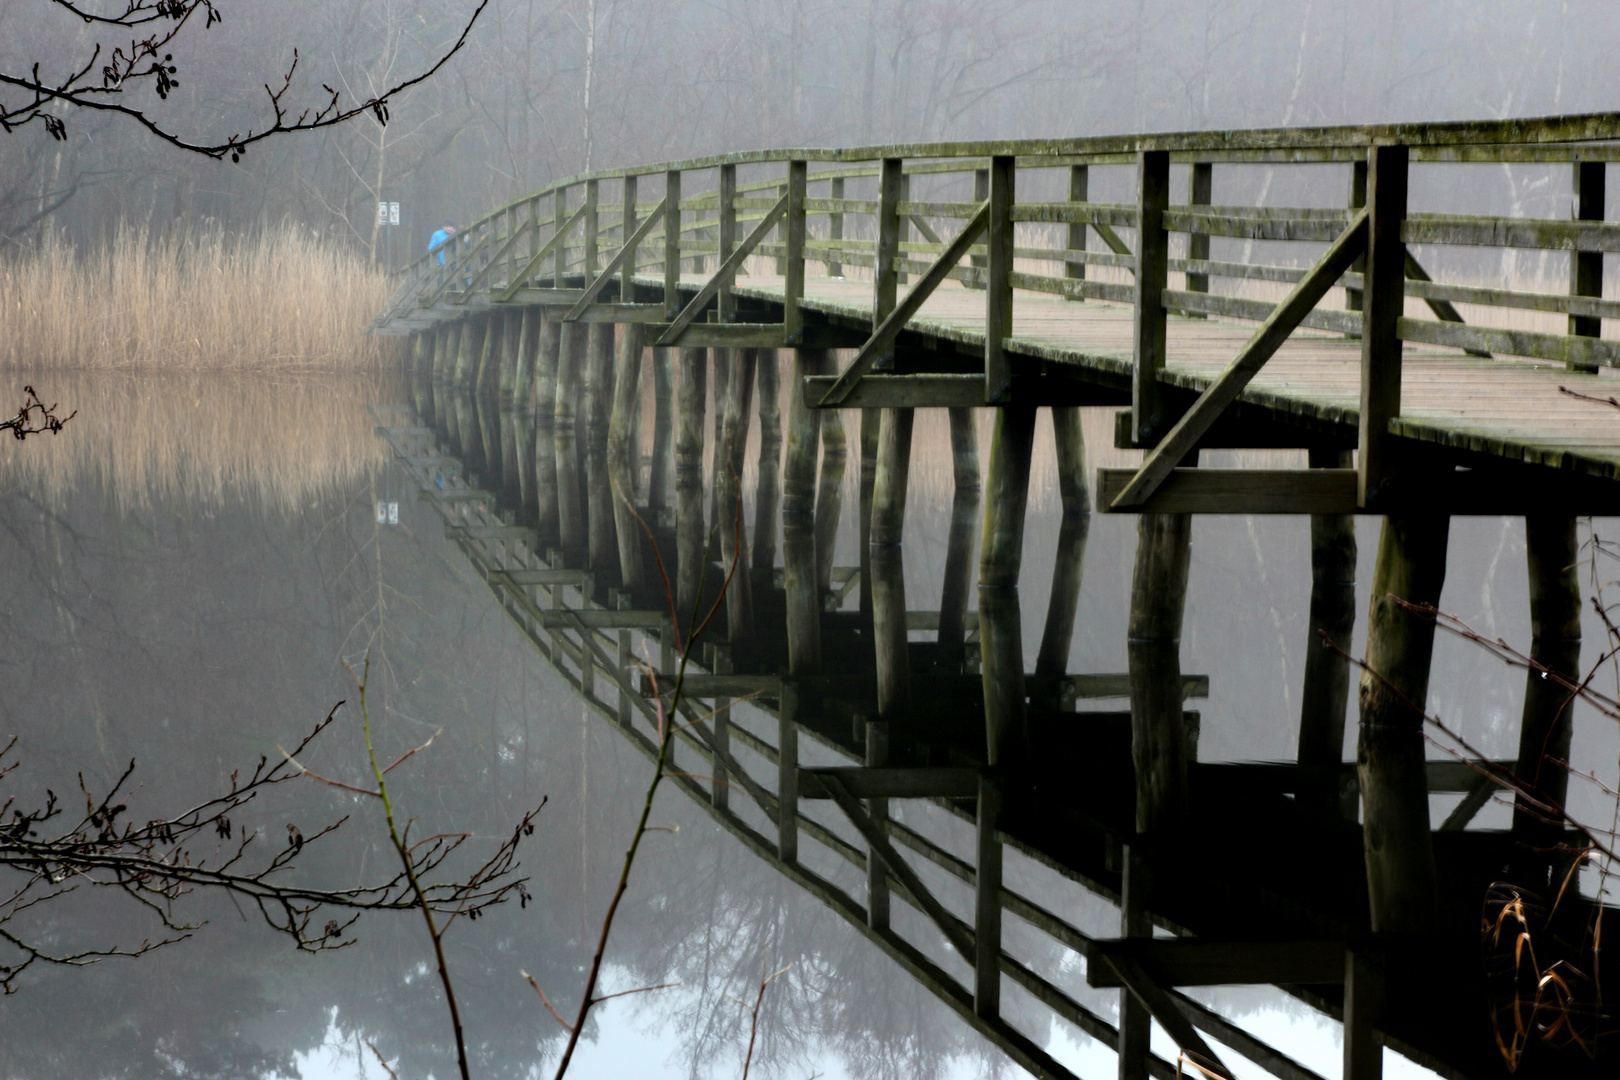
(393, 213)
(382, 213)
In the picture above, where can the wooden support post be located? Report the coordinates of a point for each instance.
(511, 325)
(559, 218)
(571, 528)
(1200, 189)
(987, 900)
(733, 531)
(998, 301)
(592, 229)
(835, 227)
(1001, 547)
(877, 873)
(545, 427)
(768, 488)
(1552, 553)
(469, 338)
(888, 570)
(507, 421)
(690, 533)
(486, 377)
(1586, 267)
(663, 372)
(1358, 199)
(1384, 299)
(953, 603)
(793, 266)
(672, 244)
(602, 538)
(798, 519)
(1079, 191)
(1158, 725)
(522, 393)
(724, 299)
(871, 425)
(787, 773)
(1327, 674)
(1363, 1009)
(1148, 420)
(1389, 757)
(1052, 661)
(620, 464)
(1135, 1022)
(830, 494)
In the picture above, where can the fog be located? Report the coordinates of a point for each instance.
(547, 88)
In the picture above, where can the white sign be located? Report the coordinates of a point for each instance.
(393, 213)
(382, 213)
(393, 507)
(382, 512)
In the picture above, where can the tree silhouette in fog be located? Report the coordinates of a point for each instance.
(87, 72)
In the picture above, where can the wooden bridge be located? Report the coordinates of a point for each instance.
(964, 276)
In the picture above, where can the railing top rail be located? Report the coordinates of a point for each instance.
(1586, 136)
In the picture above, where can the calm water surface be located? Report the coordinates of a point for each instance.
(188, 567)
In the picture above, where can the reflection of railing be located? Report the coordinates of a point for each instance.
(594, 647)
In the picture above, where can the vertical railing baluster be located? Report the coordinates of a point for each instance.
(1358, 199)
(998, 302)
(559, 258)
(1079, 192)
(1586, 267)
(672, 243)
(627, 226)
(1200, 188)
(592, 224)
(1152, 258)
(793, 264)
(835, 227)
(726, 302)
(1384, 299)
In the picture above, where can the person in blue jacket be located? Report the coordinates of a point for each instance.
(439, 239)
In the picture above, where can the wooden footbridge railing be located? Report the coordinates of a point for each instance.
(960, 276)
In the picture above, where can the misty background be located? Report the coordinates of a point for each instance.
(548, 88)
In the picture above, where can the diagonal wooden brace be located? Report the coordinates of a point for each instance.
(727, 271)
(1285, 317)
(556, 240)
(1175, 1023)
(902, 870)
(616, 263)
(882, 339)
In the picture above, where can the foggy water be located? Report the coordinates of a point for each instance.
(193, 609)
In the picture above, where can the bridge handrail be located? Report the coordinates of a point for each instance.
(1583, 137)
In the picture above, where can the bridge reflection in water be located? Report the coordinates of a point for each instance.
(1257, 870)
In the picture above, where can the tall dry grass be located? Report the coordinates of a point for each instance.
(281, 299)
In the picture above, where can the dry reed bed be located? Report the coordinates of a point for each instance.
(282, 299)
(206, 439)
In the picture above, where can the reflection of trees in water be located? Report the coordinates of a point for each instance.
(840, 999)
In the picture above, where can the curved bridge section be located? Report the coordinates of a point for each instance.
(1365, 333)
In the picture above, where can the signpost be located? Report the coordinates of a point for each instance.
(388, 218)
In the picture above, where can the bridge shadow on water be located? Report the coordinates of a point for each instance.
(907, 736)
